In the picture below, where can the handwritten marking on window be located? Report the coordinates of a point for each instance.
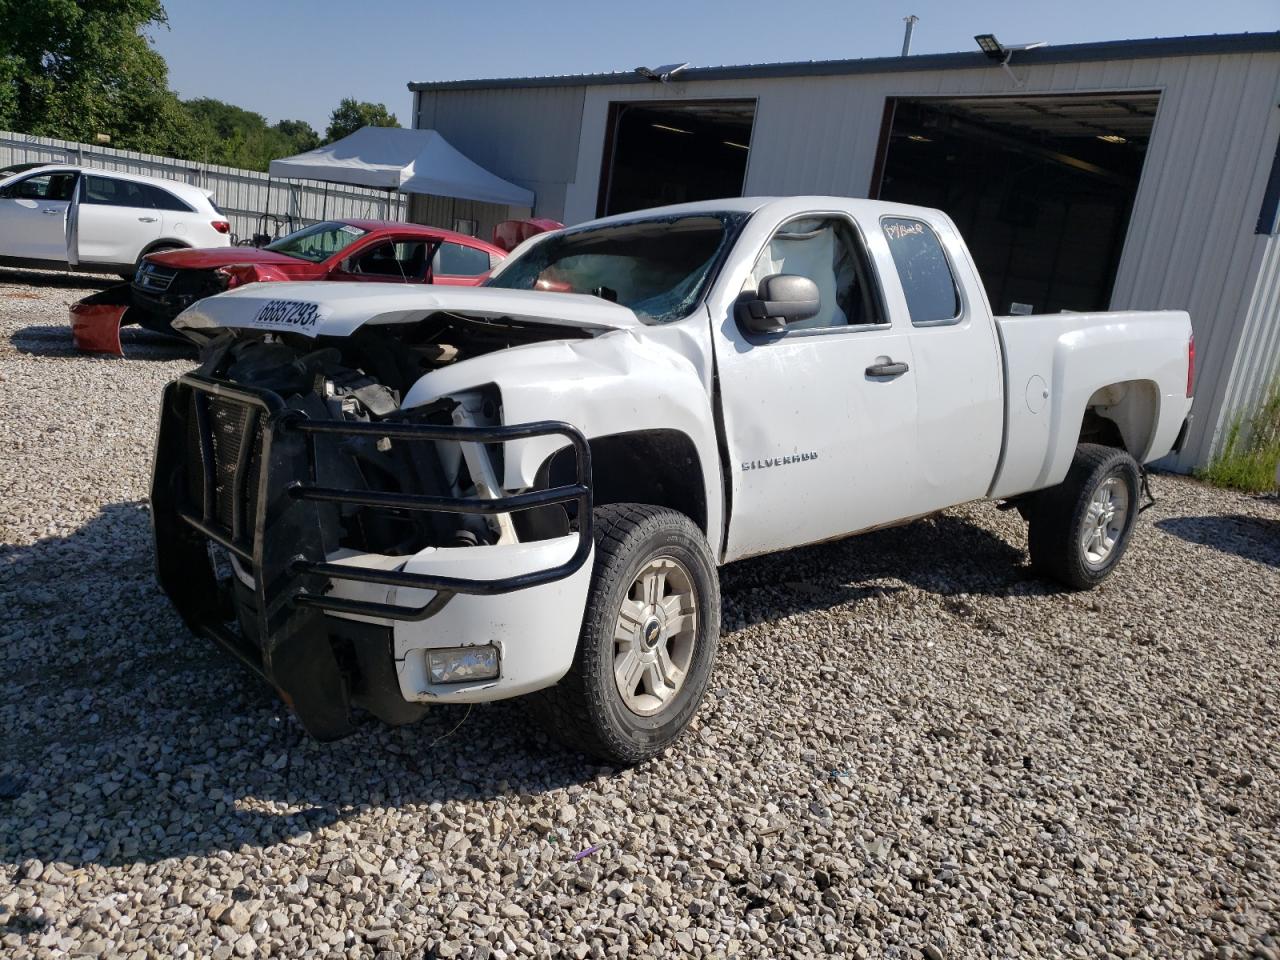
(896, 231)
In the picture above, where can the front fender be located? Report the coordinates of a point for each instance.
(241, 274)
(619, 382)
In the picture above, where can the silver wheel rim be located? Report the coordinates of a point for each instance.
(1105, 521)
(655, 635)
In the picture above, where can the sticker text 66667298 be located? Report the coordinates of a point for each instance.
(289, 313)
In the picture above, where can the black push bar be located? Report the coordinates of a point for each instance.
(267, 411)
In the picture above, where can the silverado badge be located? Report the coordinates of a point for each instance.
(778, 461)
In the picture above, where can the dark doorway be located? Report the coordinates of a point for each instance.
(1041, 187)
(661, 152)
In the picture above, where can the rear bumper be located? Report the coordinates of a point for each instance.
(326, 628)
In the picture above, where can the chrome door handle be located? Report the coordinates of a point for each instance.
(50, 213)
(890, 369)
(146, 219)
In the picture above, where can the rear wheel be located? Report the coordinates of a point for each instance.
(1081, 528)
(648, 638)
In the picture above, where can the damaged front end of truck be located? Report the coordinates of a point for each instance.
(314, 525)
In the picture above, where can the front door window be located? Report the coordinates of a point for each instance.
(828, 252)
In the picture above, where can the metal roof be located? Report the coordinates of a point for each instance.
(1068, 53)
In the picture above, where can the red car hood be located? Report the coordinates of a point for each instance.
(222, 256)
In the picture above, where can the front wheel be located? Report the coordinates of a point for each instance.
(1081, 528)
(648, 638)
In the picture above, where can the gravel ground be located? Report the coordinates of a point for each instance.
(912, 748)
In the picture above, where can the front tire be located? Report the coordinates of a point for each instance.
(648, 638)
(1081, 528)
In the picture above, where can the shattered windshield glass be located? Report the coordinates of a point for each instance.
(660, 267)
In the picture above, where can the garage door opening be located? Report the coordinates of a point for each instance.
(1041, 187)
(660, 152)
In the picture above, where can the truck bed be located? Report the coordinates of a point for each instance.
(1050, 381)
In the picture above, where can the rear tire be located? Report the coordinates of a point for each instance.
(648, 638)
(1081, 528)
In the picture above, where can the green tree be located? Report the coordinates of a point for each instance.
(350, 115)
(230, 135)
(77, 68)
(299, 133)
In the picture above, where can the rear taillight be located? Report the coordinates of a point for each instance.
(222, 226)
(1191, 364)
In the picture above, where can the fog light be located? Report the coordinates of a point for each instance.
(462, 664)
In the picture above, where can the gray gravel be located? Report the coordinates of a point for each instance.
(912, 748)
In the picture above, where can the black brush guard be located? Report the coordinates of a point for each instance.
(277, 531)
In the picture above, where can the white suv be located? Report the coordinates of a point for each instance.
(60, 216)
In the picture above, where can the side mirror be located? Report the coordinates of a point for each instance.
(781, 299)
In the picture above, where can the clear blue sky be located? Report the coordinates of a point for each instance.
(296, 59)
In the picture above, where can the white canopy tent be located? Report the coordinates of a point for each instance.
(408, 161)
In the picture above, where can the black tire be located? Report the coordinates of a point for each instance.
(586, 710)
(1059, 517)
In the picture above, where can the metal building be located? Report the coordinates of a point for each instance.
(1136, 174)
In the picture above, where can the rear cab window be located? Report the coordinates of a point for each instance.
(933, 299)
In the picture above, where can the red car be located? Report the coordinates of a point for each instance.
(360, 250)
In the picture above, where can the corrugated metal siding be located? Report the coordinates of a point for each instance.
(1257, 362)
(242, 194)
(1190, 243)
(443, 211)
(529, 137)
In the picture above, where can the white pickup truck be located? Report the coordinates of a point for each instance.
(389, 497)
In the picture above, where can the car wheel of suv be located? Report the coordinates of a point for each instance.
(648, 638)
(159, 248)
(1080, 529)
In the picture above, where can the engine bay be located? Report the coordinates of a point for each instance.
(363, 378)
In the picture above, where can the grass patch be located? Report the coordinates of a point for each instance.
(1248, 461)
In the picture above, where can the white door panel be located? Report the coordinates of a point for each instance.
(34, 229)
(72, 227)
(817, 448)
(33, 216)
(117, 219)
(960, 412)
(927, 276)
(115, 234)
